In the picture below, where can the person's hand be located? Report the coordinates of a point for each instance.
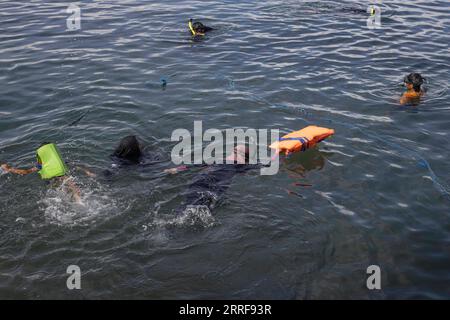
(5, 167)
(171, 170)
(91, 174)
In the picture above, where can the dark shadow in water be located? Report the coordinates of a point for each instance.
(335, 8)
(298, 164)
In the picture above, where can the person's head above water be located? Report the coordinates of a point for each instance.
(414, 81)
(128, 149)
(198, 28)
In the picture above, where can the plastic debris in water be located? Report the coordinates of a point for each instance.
(422, 163)
(163, 81)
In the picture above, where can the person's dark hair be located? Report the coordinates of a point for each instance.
(200, 27)
(128, 149)
(416, 80)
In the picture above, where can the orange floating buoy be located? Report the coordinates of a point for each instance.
(301, 140)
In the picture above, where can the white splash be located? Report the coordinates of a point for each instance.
(190, 216)
(60, 208)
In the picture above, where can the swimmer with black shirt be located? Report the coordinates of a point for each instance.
(214, 180)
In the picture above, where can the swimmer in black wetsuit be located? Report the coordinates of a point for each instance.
(129, 152)
(214, 180)
(198, 29)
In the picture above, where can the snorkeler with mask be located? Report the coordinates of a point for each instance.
(415, 92)
(197, 28)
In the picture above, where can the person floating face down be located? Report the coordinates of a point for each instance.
(130, 152)
(127, 152)
(414, 92)
(208, 186)
(197, 28)
(50, 167)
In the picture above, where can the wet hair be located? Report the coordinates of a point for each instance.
(129, 149)
(415, 79)
(200, 27)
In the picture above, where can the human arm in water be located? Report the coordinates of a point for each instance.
(70, 187)
(87, 172)
(73, 188)
(184, 168)
(176, 169)
(8, 169)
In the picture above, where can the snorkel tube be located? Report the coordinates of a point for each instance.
(193, 31)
